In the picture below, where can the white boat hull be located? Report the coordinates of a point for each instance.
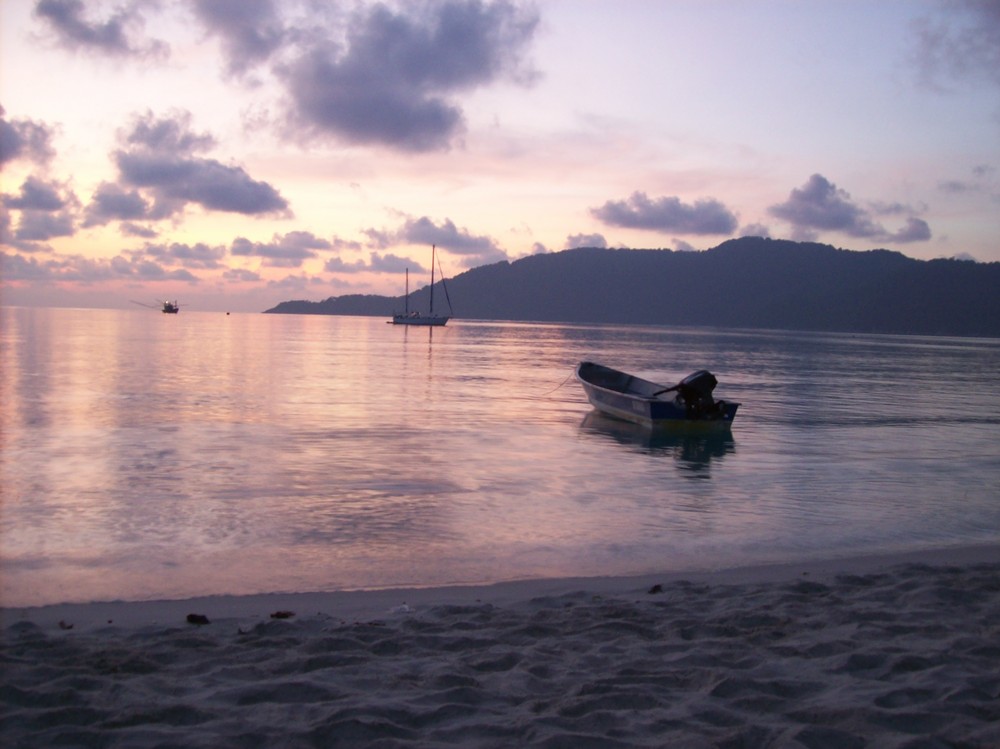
(651, 404)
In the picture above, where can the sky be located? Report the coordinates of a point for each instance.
(232, 154)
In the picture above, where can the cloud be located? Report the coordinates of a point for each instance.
(960, 44)
(916, 230)
(250, 30)
(46, 210)
(198, 255)
(112, 203)
(295, 283)
(392, 80)
(24, 139)
(387, 263)
(158, 155)
(36, 195)
(457, 241)
(474, 249)
(345, 244)
(981, 181)
(390, 263)
(755, 230)
(820, 205)
(147, 270)
(16, 267)
(38, 226)
(305, 239)
(585, 240)
(283, 251)
(337, 265)
(129, 229)
(667, 214)
(86, 271)
(241, 275)
(167, 134)
(983, 171)
(118, 36)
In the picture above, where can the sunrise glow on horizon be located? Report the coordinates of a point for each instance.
(236, 154)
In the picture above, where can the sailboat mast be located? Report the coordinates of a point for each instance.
(433, 248)
(407, 297)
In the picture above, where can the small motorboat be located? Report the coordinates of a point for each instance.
(688, 403)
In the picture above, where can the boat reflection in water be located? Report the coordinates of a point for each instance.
(694, 451)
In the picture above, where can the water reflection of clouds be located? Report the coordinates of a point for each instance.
(693, 451)
(350, 491)
(160, 456)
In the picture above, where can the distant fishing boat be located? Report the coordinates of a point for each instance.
(166, 307)
(688, 403)
(415, 318)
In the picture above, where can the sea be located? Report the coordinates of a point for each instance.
(148, 456)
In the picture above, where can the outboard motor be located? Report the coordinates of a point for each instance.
(696, 392)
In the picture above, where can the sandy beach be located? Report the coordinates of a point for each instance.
(900, 651)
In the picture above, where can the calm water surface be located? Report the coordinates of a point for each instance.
(154, 456)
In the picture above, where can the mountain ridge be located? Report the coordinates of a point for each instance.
(750, 282)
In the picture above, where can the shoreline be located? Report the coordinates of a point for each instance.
(898, 650)
(357, 605)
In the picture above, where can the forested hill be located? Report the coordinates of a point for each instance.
(749, 282)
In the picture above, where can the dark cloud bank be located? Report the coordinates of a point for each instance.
(379, 75)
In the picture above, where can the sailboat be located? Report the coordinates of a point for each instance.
(415, 318)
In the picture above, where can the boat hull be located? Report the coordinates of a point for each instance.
(627, 397)
(424, 320)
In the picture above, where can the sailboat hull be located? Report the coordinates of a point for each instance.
(436, 320)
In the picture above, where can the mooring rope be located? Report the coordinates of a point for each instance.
(550, 392)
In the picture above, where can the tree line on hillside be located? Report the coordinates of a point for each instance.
(751, 282)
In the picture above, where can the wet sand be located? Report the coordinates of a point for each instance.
(894, 651)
